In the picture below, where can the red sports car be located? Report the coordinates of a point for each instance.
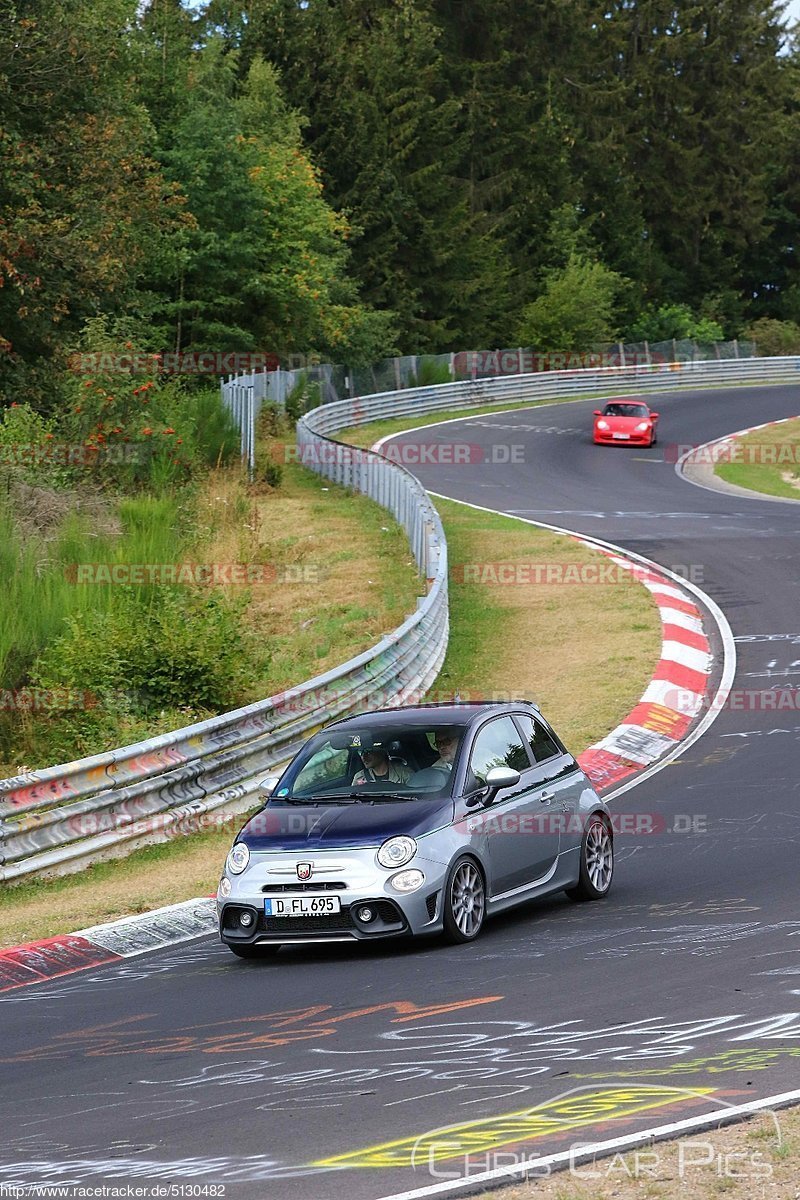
(625, 421)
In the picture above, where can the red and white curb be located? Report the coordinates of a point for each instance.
(676, 694)
(39, 962)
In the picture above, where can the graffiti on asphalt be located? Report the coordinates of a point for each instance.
(561, 1115)
(265, 1030)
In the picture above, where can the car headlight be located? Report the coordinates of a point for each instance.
(602, 424)
(238, 858)
(407, 881)
(224, 889)
(397, 851)
(643, 426)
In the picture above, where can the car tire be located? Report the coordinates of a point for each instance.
(597, 861)
(464, 906)
(253, 951)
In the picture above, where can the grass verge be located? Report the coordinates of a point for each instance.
(772, 461)
(584, 652)
(751, 1159)
(341, 570)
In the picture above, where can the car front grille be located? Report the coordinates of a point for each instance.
(325, 923)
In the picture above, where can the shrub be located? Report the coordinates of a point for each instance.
(186, 648)
(429, 373)
(774, 338)
(304, 396)
(674, 321)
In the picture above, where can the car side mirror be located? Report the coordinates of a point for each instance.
(497, 779)
(502, 777)
(598, 412)
(654, 416)
(267, 786)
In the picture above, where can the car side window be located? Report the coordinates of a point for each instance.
(497, 745)
(541, 743)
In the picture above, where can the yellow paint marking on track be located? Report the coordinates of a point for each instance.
(754, 1059)
(574, 1111)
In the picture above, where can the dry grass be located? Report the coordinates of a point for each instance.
(584, 652)
(344, 573)
(751, 1161)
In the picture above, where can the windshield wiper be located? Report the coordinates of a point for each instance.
(313, 799)
(346, 798)
(368, 797)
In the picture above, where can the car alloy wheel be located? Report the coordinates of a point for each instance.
(465, 904)
(597, 861)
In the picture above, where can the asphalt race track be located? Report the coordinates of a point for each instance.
(327, 1073)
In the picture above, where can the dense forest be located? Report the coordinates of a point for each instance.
(356, 178)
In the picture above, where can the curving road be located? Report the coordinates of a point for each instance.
(322, 1074)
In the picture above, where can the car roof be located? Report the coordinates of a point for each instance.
(459, 712)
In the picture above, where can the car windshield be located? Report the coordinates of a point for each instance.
(397, 761)
(626, 410)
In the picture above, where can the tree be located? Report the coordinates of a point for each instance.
(577, 309)
(264, 265)
(84, 209)
(385, 130)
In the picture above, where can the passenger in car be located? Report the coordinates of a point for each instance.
(446, 742)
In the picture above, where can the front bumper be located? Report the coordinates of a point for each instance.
(353, 876)
(636, 439)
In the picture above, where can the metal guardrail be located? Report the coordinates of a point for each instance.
(63, 816)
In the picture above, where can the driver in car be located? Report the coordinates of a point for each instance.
(379, 768)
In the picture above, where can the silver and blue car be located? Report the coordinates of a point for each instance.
(419, 820)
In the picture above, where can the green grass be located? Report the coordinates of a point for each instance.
(779, 478)
(39, 591)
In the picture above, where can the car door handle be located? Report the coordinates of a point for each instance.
(546, 797)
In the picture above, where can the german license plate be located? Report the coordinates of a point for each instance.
(621, 437)
(307, 905)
